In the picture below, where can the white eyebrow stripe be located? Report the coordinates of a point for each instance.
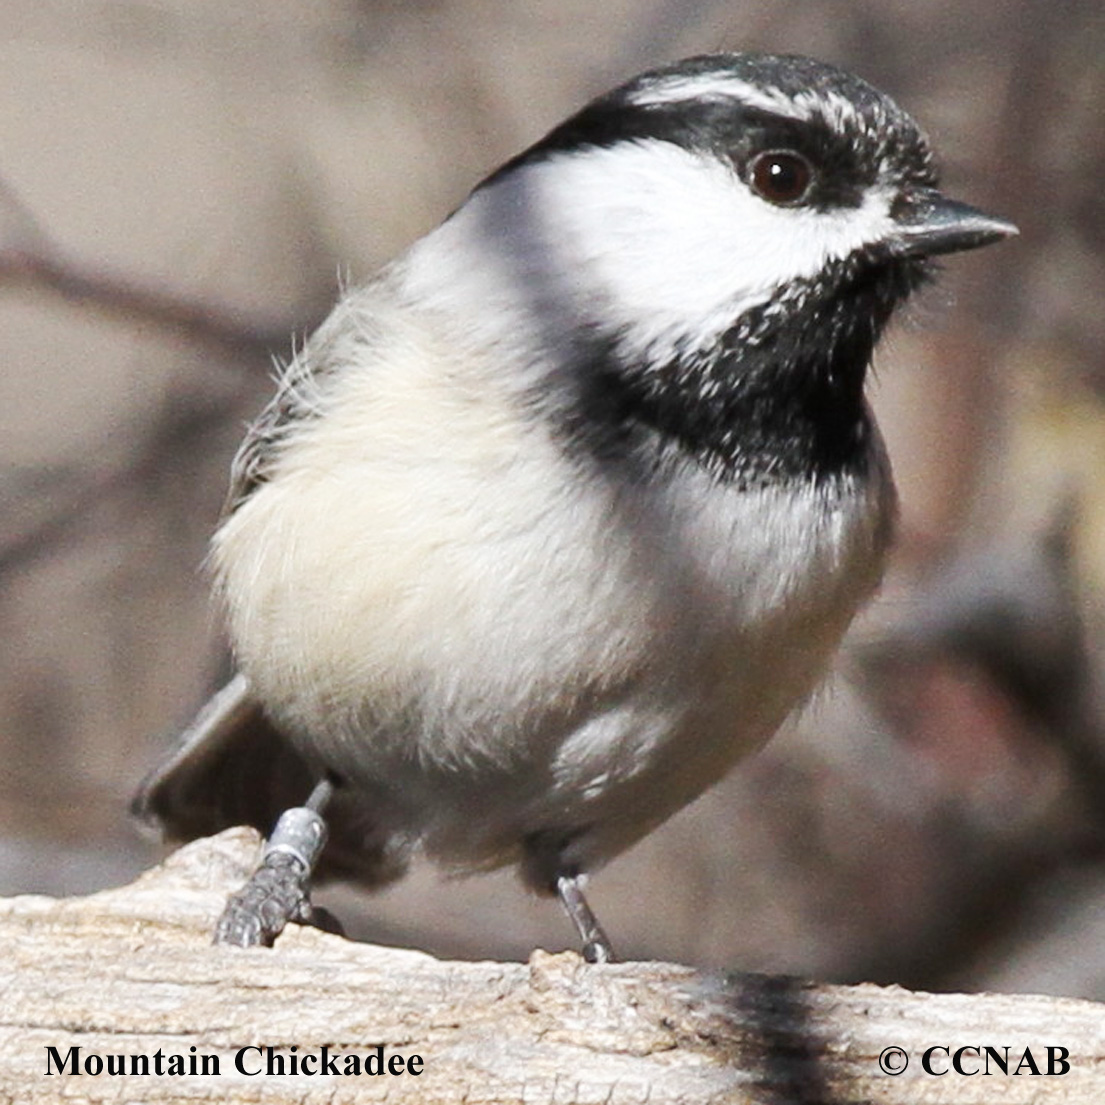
(804, 106)
(714, 86)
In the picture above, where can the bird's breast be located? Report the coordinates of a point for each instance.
(429, 588)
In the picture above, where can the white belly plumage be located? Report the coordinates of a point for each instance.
(489, 651)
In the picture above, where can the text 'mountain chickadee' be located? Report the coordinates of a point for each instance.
(563, 513)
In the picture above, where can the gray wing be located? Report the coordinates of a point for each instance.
(232, 766)
(253, 462)
(349, 335)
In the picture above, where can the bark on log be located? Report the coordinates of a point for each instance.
(131, 972)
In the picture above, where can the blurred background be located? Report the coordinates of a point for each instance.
(183, 183)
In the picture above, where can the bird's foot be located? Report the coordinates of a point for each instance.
(275, 894)
(596, 944)
(278, 892)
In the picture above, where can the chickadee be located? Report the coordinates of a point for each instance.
(563, 513)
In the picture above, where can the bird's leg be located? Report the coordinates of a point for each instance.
(278, 891)
(596, 945)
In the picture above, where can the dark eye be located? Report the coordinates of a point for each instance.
(780, 176)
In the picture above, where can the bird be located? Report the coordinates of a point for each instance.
(562, 513)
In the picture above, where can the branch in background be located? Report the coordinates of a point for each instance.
(43, 508)
(46, 508)
(29, 257)
(131, 302)
(988, 682)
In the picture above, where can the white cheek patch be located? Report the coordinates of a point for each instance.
(675, 243)
(648, 239)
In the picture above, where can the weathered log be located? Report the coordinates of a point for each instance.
(131, 973)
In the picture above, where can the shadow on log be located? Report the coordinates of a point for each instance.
(127, 979)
